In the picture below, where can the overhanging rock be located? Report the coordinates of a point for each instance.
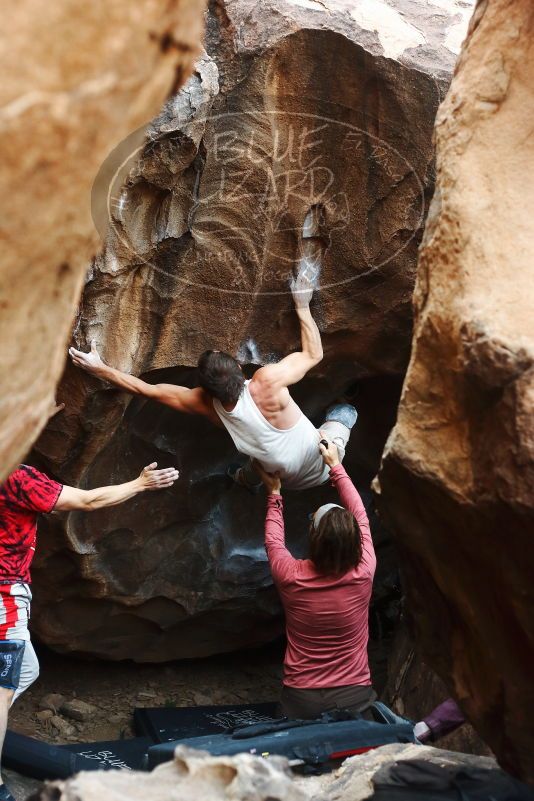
(295, 106)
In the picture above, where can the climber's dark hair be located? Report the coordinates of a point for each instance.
(336, 543)
(221, 376)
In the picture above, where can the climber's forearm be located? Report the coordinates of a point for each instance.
(292, 369)
(182, 399)
(309, 334)
(125, 381)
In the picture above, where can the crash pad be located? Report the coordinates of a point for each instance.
(163, 724)
(41, 760)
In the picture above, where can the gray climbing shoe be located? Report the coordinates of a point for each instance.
(342, 413)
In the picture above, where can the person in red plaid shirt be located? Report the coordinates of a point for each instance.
(24, 495)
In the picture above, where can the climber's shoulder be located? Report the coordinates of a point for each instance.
(263, 376)
(198, 401)
(185, 399)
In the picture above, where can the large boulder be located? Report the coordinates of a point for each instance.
(76, 78)
(457, 477)
(294, 107)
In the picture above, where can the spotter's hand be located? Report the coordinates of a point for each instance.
(152, 479)
(329, 452)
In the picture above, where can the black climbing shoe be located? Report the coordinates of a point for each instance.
(235, 471)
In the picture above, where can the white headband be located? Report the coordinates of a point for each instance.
(322, 510)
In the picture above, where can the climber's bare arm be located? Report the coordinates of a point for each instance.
(294, 367)
(182, 399)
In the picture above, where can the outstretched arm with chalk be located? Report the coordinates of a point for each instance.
(182, 399)
(294, 367)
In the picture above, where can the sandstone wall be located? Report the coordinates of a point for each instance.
(457, 477)
(75, 80)
(294, 106)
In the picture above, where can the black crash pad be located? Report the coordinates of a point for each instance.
(314, 742)
(165, 724)
(113, 754)
(41, 760)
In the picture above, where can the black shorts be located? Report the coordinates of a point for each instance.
(11, 656)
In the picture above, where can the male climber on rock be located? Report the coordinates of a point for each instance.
(260, 415)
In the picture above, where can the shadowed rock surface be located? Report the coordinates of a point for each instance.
(414, 690)
(458, 470)
(290, 109)
(74, 82)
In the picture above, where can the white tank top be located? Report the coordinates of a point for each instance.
(294, 452)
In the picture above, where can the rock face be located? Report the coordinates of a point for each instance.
(295, 106)
(414, 689)
(71, 89)
(456, 481)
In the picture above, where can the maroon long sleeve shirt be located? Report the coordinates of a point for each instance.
(327, 619)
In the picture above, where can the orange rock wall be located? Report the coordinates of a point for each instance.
(76, 79)
(458, 471)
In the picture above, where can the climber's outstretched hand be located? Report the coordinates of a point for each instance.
(90, 362)
(302, 287)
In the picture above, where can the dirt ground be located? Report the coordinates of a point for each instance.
(116, 688)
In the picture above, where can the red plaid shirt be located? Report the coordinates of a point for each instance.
(24, 494)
